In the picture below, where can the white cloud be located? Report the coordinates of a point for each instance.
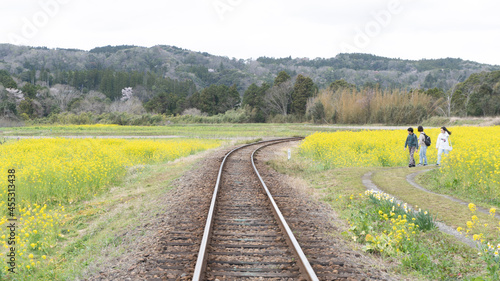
(244, 28)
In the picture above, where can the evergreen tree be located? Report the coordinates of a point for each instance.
(164, 103)
(340, 85)
(29, 90)
(282, 77)
(208, 100)
(6, 80)
(254, 98)
(303, 89)
(250, 95)
(217, 99)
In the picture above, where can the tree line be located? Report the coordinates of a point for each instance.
(291, 98)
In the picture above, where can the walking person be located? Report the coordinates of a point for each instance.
(423, 147)
(412, 144)
(443, 144)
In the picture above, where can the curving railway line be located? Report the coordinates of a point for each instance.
(239, 233)
(245, 234)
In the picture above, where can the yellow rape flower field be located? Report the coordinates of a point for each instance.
(51, 173)
(471, 171)
(472, 167)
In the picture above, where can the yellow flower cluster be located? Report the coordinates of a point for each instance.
(472, 165)
(474, 162)
(396, 231)
(472, 207)
(402, 231)
(52, 171)
(488, 252)
(360, 149)
(37, 231)
(69, 169)
(474, 224)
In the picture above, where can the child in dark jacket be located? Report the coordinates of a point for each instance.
(412, 144)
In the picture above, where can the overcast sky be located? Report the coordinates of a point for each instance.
(406, 29)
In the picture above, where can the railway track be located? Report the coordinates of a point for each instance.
(246, 236)
(243, 238)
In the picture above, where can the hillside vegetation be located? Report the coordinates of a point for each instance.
(40, 82)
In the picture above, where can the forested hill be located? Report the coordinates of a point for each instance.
(38, 64)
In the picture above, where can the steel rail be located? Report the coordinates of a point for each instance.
(303, 262)
(201, 264)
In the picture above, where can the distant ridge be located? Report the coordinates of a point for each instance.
(206, 69)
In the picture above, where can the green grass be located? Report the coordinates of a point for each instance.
(432, 256)
(191, 130)
(432, 182)
(393, 181)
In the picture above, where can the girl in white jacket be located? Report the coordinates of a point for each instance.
(443, 143)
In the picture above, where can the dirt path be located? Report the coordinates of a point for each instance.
(411, 180)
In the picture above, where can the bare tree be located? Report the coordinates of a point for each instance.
(128, 103)
(467, 94)
(193, 112)
(448, 98)
(63, 95)
(132, 106)
(37, 108)
(92, 102)
(278, 98)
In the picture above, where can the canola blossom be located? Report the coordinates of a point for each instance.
(385, 225)
(65, 170)
(37, 232)
(50, 173)
(472, 166)
(488, 252)
(360, 149)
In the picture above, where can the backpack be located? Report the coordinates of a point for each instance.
(427, 140)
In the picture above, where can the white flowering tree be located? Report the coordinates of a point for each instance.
(16, 94)
(127, 93)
